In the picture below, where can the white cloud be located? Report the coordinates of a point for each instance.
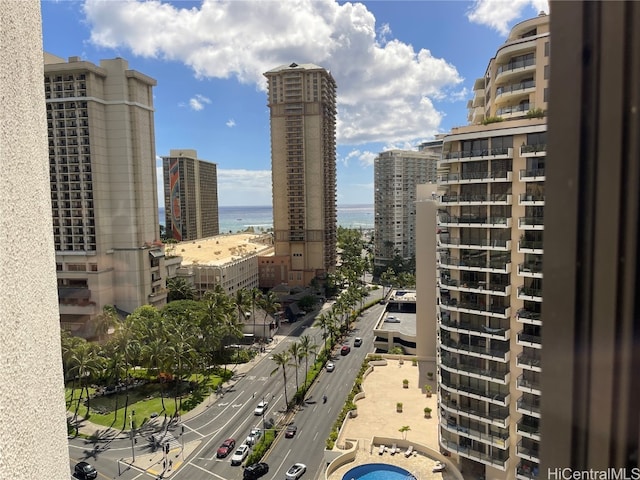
(231, 123)
(385, 87)
(499, 14)
(197, 103)
(244, 187)
(364, 158)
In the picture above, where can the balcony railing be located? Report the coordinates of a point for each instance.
(467, 198)
(528, 338)
(528, 384)
(524, 470)
(491, 152)
(476, 243)
(500, 264)
(516, 87)
(471, 453)
(529, 291)
(531, 221)
(528, 451)
(516, 65)
(532, 173)
(530, 267)
(456, 177)
(485, 395)
(521, 108)
(483, 286)
(526, 197)
(528, 429)
(501, 441)
(476, 220)
(500, 332)
(528, 314)
(499, 414)
(468, 368)
(529, 360)
(498, 355)
(530, 244)
(535, 148)
(527, 406)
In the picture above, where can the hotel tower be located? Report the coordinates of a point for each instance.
(102, 168)
(302, 103)
(490, 252)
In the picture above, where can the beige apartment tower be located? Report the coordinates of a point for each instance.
(396, 176)
(103, 189)
(190, 196)
(491, 227)
(302, 103)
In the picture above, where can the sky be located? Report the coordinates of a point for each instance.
(404, 70)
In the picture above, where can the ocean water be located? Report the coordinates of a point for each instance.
(236, 219)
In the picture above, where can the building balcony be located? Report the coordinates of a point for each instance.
(531, 223)
(503, 290)
(495, 398)
(528, 340)
(493, 440)
(529, 317)
(475, 177)
(513, 91)
(526, 429)
(476, 265)
(529, 362)
(452, 365)
(515, 110)
(530, 246)
(476, 351)
(527, 385)
(492, 199)
(495, 311)
(475, 221)
(80, 308)
(529, 293)
(526, 199)
(532, 175)
(496, 245)
(473, 155)
(498, 416)
(529, 450)
(528, 406)
(539, 150)
(518, 67)
(530, 269)
(496, 461)
(527, 471)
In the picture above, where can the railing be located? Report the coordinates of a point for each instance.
(515, 87)
(532, 173)
(529, 291)
(490, 264)
(516, 65)
(476, 220)
(530, 244)
(491, 152)
(531, 221)
(468, 368)
(524, 470)
(530, 360)
(491, 287)
(522, 313)
(530, 267)
(495, 396)
(523, 107)
(454, 177)
(500, 440)
(498, 414)
(531, 430)
(524, 337)
(535, 148)
(526, 383)
(469, 452)
(500, 331)
(527, 197)
(530, 452)
(528, 406)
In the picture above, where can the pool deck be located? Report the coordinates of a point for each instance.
(378, 419)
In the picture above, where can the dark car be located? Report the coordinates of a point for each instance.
(85, 471)
(290, 432)
(255, 471)
(357, 342)
(226, 448)
(345, 350)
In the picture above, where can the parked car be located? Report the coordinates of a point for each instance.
(330, 367)
(345, 350)
(253, 436)
(296, 471)
(392, 319)
(255, 471)
(85, 471)
(357, 342)
(290, 432)
(240, 454)
(226, 448)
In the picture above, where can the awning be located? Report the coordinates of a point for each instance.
(156, 253)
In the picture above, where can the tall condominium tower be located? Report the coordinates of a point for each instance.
(302, 101)
(103, 188)
(396, 174)
(190, 196)
(491, 224)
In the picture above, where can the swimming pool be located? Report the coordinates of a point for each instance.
(377, 471)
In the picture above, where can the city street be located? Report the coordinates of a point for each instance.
(231, 415)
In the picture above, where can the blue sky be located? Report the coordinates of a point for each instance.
(404, 69)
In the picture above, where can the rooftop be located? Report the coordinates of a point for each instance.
(221, 249)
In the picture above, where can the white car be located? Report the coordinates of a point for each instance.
(296, 471)
(253, 437)
(330, 367)
(240, 454)
(261, 408)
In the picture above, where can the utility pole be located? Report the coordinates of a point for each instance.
(132, 433)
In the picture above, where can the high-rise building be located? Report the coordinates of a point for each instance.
(190, 196)
(491, 227)
(396, 174)
(302, 102)
(103, 188)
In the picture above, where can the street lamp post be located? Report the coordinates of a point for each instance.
(133, 451)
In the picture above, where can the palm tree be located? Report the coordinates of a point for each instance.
(180, 289)
(107, 319)
(155, 355)
(403, 430)
(307, 347)
(181, 340)
(242, 301)
(85, 364)
(270, 304)
(255, 295)
(296, 356)
(324, 321)
(282, 361)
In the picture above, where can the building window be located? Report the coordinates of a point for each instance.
(546, 94)
(546, 72)
(546, 49)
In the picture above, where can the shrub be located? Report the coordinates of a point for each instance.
(490, 120)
